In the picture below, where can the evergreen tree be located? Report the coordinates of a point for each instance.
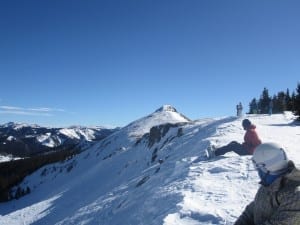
(281, 102)
(275, 104)
(297, 102)
(288, 100)
(28, 191)
(18, 193)
(264, 101)
(253, 106)
(293, 102)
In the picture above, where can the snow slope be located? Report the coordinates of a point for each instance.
(125, 180)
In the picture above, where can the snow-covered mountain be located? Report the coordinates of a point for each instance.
(21, 139)
(152, 172)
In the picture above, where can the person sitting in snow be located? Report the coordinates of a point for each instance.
(251, 141)
(277, 200)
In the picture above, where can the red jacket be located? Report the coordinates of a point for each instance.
(251, 139)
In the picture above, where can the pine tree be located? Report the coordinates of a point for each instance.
(253, 106)
(293, 102)
(275, 104)
(288, 98)
(18, 193)
(281, 102)
(264, 101)
(297, 102)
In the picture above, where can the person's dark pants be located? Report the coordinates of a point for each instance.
(232, 147)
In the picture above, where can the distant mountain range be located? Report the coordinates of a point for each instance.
(24, 140)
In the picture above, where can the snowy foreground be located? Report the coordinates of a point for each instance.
(120, 181)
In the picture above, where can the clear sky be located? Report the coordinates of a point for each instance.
(111, 62)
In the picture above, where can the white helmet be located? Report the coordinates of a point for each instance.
(270, 157)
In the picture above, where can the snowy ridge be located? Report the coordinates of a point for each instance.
(166, 108)
(45, 139)
(78, 132)
(119, 181)
(165, 114)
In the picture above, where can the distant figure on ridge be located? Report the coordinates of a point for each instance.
(277, 200)
(251, 141)
(270, 107)
(239, 109)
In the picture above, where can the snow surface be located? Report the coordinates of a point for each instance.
(118, 182)
(5, 158)
(11, 138)
(46, 140)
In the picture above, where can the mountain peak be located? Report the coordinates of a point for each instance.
(166, 108)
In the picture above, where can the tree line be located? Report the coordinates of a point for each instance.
(13, 172)
(282, 101)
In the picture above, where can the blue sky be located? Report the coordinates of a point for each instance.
(111, 62)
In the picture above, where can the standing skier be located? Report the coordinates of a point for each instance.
(239, 109)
